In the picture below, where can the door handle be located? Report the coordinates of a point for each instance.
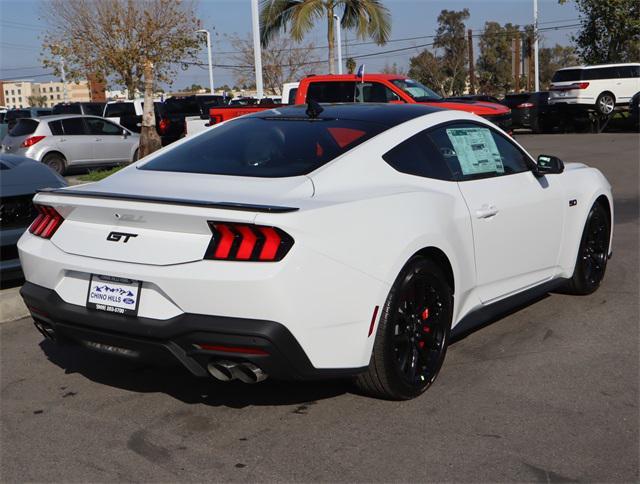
(486, 211)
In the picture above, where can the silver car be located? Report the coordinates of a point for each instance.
(66, 141)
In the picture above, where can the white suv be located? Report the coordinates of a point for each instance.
(601, 86)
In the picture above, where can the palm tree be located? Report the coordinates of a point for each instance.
(369, 17)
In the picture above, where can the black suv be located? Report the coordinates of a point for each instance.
(90, 108)
(531, 110)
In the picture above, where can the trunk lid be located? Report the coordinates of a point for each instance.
(160, 218)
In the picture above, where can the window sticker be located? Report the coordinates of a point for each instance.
(476, 150)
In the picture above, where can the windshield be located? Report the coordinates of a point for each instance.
(265, 147)
(417, 91)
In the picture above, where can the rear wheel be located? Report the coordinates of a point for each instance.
(413, 334)
(56, 162)
(593, 253)
(606, 103)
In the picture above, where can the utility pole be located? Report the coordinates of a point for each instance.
(337, 17)
(530, 63)
(472, 69)
(257, 53)
(516, 73)
(64, 79)
(208, 34)
(535, 46)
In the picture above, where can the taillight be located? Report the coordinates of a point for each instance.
(47, 222)
(581, 85)
(245, 242)
(163, 126)
(30, 141)
(525, 105)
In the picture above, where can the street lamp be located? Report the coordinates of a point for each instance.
(337, 18)
(205, 31)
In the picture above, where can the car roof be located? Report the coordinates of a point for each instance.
(354, 77)
(597, 66)
(56, 117)
(380, 113)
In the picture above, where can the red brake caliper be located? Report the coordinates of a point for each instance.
(424, 316)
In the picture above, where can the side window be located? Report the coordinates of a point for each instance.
(73, 126)
(627, 72)
(419, 156)
(473, 151)
(374, 92)
(102, 127)
(116, 110)
(292, 95)
(332, 92)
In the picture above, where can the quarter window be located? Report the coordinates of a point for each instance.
(419, 156)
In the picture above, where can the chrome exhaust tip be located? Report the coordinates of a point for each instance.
(249, 373)
(222, 370)
(45, 329)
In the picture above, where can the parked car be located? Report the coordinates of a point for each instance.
(68, 140)
(169, 126)
(315, 242)
(601, 87)
(14, 115)
(193, 109)
(531, 110)
(20, 180)
(3, 123)
(372, 88)
(634, 110)
(89, 108)
(289, 92)
(475, 97)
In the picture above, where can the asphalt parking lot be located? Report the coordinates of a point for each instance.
(548, 393)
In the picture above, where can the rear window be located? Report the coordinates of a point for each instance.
(568, 75)
(67, 109)
(116, 110)
(24, 127)
(265, 147)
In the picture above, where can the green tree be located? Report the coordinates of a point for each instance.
(351, 65)
(131, 42)
(553, 58)
(494, 65)
(193, 88)
(609, 31)
(450, 40)
(37, 100)
(368, 17)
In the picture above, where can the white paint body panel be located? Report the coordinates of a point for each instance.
(358, 223)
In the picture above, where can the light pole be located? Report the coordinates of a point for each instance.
(64, 79)
(257, 53)
(337, 17)
(205, 31)
(536, 74)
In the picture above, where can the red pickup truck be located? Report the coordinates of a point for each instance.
(374, 88)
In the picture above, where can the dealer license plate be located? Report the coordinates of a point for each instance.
(114, 294)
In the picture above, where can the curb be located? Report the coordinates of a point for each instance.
(11, 305)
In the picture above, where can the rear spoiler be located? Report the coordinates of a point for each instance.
(244, 207)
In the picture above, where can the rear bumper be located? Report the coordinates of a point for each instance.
(280, 354)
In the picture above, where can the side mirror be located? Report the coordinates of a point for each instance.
(549, 165)
(125, 133)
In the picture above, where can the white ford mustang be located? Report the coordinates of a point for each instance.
(343, 240)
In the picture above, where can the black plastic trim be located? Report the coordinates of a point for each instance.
(175, 337)
(245, 207)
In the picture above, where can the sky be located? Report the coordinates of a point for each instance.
(22, 28)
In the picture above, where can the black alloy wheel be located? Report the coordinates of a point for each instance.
(593, 253)
(413, 333)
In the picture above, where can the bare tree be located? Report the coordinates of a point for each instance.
(283, 61)
(134, 43)
(394, 69)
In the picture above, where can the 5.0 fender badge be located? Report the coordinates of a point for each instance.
(573, 202)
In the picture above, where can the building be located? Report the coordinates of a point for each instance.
(17, 94)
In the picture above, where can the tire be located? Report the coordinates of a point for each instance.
(56, 162)
(136, 155)
(591, 262)
(413, 334)
(605, 103)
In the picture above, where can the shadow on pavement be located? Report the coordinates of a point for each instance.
(181, 385)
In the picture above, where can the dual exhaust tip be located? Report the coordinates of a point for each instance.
(225, 370)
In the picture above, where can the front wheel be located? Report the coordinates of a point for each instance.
(413, 333)
(593, 253)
